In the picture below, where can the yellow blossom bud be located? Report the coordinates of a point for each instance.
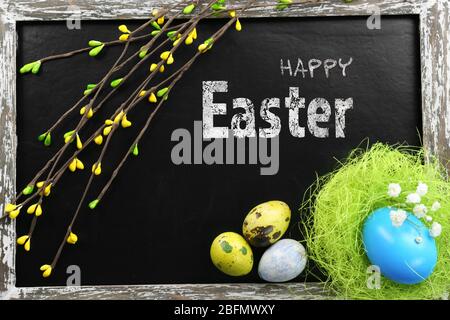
(107, 130)
(79, 143)
(73, 165)
(232, 14)
(98, 139)
(32, 209)
(161, 20)
(176, 42)
(189, 40)
(47, 270)
(13, 214)
(170, 60)
(152, 98)
(124, 37)
(47, 190)
(153, 67)
(238, 25)
(89, 114)
(193, 33)
(10, 207)
(40, 184)
(38, 211)
(203, 47)
(21, 240)
(155, 12)
(142, 93)
(118, 118)
(165, 55)
(124, 29)
(72, 238)
(125, 122)
(27, 245)
(97, 168)
(80, 165)
(109, 122)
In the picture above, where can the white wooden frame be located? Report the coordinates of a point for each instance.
(435, 77)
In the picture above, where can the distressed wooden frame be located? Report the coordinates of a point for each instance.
(435, 77)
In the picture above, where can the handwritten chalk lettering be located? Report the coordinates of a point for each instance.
(313, 67)
(318, 115)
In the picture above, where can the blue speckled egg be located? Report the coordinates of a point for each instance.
(283, 261)
(405, 254)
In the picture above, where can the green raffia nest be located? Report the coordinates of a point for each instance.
(338, 203)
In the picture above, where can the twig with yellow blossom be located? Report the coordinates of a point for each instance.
(95, 88)
(36, 208)
(30, 186)
(133, 149)
(70, 236)
(120, 116)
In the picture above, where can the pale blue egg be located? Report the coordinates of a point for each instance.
(283, 261)
(405, 254)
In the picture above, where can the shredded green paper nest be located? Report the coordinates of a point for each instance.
(338, 204)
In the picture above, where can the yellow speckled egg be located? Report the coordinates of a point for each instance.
(266, 223)
(231, 254)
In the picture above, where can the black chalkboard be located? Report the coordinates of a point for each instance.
(158, 220)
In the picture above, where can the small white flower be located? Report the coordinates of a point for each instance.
(429, 218)
(398, 217)
(435, 230)
(420, 210)
(394, 190)
(436, 206)
(413, 198)
(422, 189)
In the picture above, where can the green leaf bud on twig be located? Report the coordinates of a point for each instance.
(95, 51)
(135, 150)
(36, 67)
(32, 66)
(93, 204)
(115, 83)
(189, 8)
(28, 190)
(48, 140)
(41, 137)
(95, 43)
(143, 53)
(162, 92)
(68, 134)
(155, 25)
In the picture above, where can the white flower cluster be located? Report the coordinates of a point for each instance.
(420, 210)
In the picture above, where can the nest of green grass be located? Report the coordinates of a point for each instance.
(336, 206)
